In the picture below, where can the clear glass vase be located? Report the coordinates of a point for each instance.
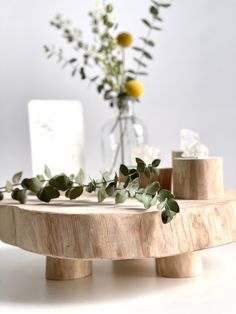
(122, 135)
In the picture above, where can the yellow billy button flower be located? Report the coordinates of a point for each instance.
(124, 40)
(134, 88)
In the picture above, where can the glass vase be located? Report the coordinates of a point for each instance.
(122, 135)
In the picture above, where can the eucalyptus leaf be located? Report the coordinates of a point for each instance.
(139, 161)
(147, 173)
(91, 187)
(48, 193)
(110, 189)
(147, 200)
(80, 177)
(121, 196)
(139, 195)
(22, 196)
(61, 182)
(163, 194)
(133, 187)
(73, 60)
(148, 24)
(162, 204)
(164, 5)
(141, 167)
(148, 41)
(152, 188)
(127, 181)
(167, 216)
(17, 177)
(47, 172)
(156, 162)
(154, 200)
(153, 10)
(147, 55)
(8, 186)
(101, 194)
(41, 177)
(140, 63)
(172, 205)
(157, 28)
(124, 170)
(74, 192)
(33, 184)
(19, 195)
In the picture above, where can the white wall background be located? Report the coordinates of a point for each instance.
(191, 83)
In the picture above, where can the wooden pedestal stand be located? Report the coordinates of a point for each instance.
(73, 234)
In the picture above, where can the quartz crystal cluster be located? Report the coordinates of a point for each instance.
(190, 144)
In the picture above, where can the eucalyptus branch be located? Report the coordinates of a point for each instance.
(147, 43)
(47, 187)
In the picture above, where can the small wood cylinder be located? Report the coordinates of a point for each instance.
(198, 179)
(163, 176)
(67, 269)
(176, 154)
(180, 266)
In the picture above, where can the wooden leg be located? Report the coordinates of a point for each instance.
(67, 269)
(180, 266)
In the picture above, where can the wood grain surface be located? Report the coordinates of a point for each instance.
(87, 230)
(198, 178)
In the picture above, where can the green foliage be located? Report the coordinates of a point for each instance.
(19, 195)
(1, 196)
(8, 186)
(91, 187)
(101, 194)
(17, 177)
(121, 196)
(110, 189)
(48, 193)
(74, 186)
(33, 184)
(61, 182)
(47, 172)
(124, 170)
(101, 62)
(152, 188)
(80, 177)
(74, 192)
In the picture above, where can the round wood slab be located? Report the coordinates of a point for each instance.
(72, 233)
(84, 229)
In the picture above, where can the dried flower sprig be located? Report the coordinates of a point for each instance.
(102, 62)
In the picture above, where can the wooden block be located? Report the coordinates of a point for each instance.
(67, 269)
(180, 266)
(198, 179)
(164, 177)
(176, 154)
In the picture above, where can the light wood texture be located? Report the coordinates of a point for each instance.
(176, 154)
(180, 266)
(67, 269)
(198, 179)
(164, 177)
(84, 229)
